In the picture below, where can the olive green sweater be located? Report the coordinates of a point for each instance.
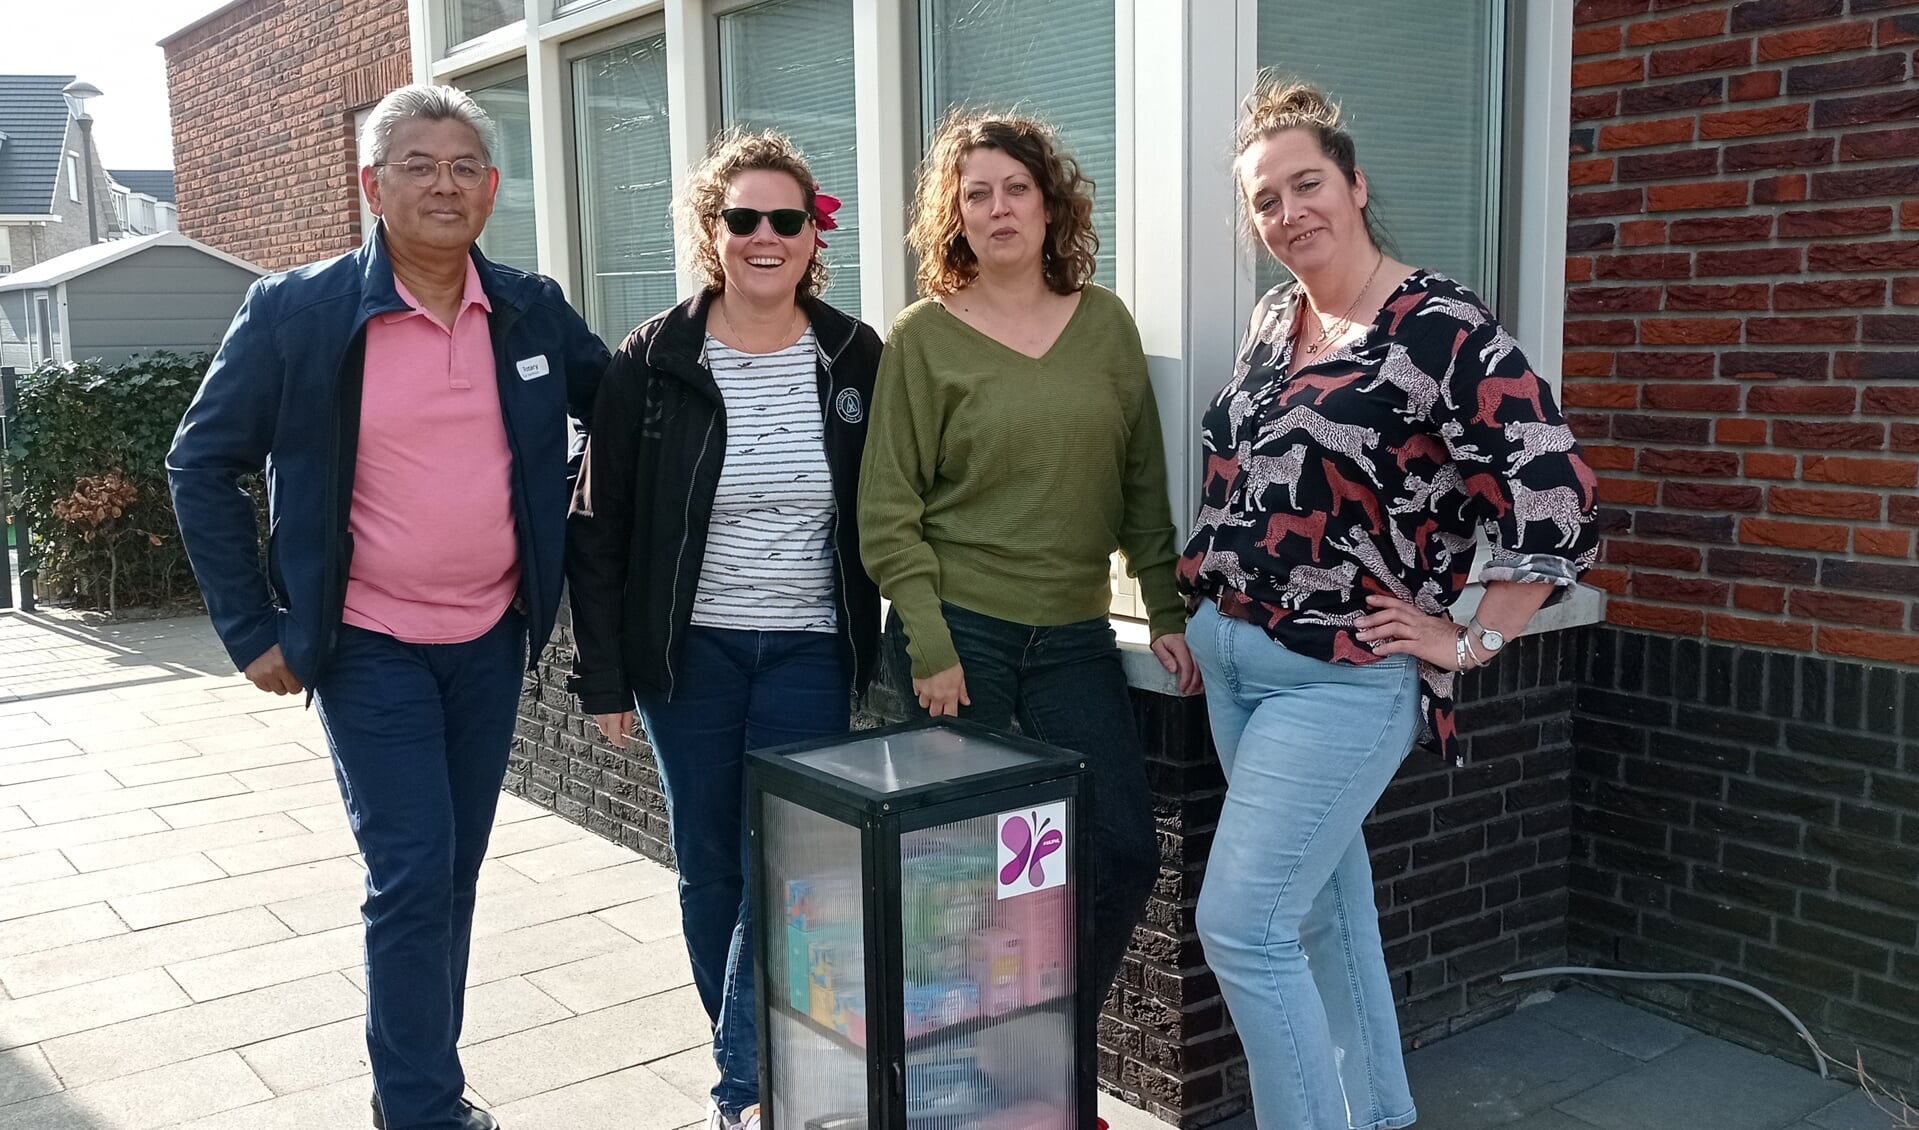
(1003, 483)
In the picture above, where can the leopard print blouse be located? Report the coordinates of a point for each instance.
(1371, 469)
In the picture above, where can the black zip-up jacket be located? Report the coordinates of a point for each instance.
(637, 538)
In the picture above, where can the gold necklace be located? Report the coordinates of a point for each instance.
(1325, 328)
(741, 338)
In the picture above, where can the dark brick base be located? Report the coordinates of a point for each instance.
(1756, 815)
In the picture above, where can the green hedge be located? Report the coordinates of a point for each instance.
(89, 467)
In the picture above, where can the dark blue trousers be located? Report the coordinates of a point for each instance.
(420, 735)
(738, 690)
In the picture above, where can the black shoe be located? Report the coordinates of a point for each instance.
(471, 1117)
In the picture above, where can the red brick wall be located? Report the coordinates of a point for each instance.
(263, 97)
(1742, 330)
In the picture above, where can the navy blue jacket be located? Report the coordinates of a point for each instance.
(283, 393)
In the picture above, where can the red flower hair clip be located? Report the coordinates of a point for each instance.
(824, 205)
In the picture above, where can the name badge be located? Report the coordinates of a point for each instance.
(532, 367)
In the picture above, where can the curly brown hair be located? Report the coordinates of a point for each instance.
(938, 236)
(698, 208)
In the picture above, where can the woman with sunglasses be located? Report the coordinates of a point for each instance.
(714, 553)
(1015, 445)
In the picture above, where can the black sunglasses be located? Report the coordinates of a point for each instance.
(746, 221)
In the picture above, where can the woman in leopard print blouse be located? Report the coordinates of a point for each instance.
(1378, 417)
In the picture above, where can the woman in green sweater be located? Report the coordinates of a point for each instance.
(1014, 445)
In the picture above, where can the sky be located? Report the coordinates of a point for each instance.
(113, 44)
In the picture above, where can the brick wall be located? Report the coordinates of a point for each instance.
(1754, 815)
(263, 96)
(1742, 331)
(1470, 862)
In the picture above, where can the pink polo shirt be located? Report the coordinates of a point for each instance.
(435, 559)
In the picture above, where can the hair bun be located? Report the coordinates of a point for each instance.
(1277, 104)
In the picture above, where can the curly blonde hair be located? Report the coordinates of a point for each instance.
(938, 236)
(1277, 105)
(698, 208)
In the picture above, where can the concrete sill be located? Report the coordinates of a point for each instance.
(1583, 605)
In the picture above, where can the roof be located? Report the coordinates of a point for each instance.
(157, 183)
(60, 268)
(34, 118)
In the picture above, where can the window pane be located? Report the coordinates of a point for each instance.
(1053, 59)
(788, 65)
(1425, 135)
(509, 237)
(626, 188)
(470, 19)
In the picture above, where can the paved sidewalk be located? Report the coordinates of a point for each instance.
(180, 943)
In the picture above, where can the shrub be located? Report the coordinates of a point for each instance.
(89, 448)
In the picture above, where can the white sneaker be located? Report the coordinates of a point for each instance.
(714, 1119)
(750, 1118)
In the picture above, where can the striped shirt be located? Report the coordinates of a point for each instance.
(769, 555)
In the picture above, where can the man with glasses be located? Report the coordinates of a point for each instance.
(409, 403)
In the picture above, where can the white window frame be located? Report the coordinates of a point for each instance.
(73, 176)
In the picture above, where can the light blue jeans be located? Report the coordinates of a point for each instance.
(1286, 913)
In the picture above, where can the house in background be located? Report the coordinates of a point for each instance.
(43, 196)
(112, 300)
(143, 200)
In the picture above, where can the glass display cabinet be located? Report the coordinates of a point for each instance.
(924, 901)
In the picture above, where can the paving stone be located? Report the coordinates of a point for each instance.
(13, 817)
(692, 1073)
(164, 841)
(185, 1033)
(193, 763)
(1706, 1082)
(575, 894)
(318, 913)
(1499, 1073)
(528, 1063)
(503, 1007)
(76, 784)
(633, 1099)
(151, 1099)
(321, 817)
(58, 750)
(312, 1058)
(282, 959)
(1621, 1027)
(208, 707)
(614, 978)
(30, 838)
(530, 835)
(25, 730)
(47, 1016)
(52, 811)
(115, 882)
(339, 1104)
(34, 868)
(1860, 1111)
(223, 894)
(58, 928)
(25, 1074)
(514, 809)
(234, 807)
(646, 920)
(129, 729)
(309, 847)
(49, 969)
(79, 763)
(304, 771)
(575, 857)
(542, 946)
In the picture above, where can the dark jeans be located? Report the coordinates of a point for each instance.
(419, 735)
(739, 690)
(1065, 686)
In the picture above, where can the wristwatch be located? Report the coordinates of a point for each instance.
(1491, 640)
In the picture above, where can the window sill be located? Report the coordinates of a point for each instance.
(1584, 605)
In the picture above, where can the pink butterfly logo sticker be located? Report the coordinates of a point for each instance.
(1028, 840)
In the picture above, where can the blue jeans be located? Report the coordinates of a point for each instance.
(419, 735)
(1286, 912)
(1065, 686)
(739, 690)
